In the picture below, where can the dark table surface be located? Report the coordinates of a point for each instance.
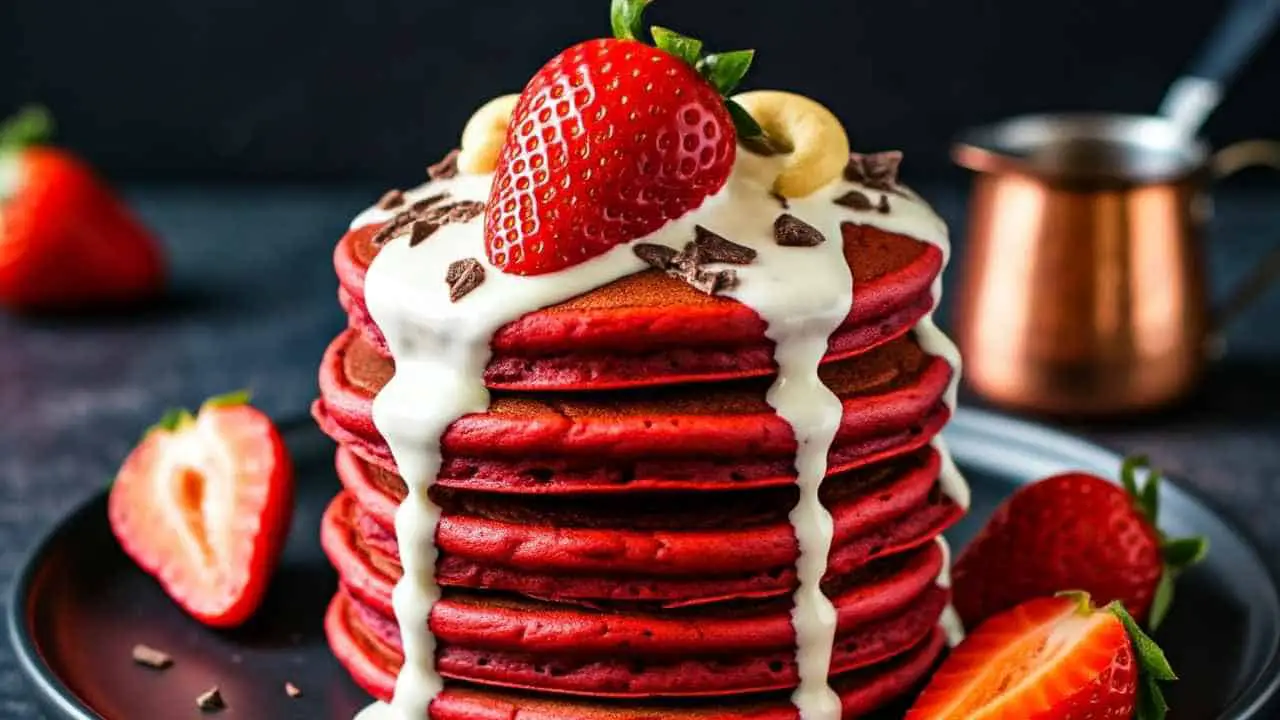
(253, 305)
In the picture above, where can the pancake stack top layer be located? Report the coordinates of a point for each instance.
(754, 345)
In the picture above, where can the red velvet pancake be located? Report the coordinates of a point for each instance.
(861, 691)
(891, 392)
(678, 550)
(587, 658)
(650, 329)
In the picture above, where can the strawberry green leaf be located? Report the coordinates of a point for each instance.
(1184, 552)
(1151, 659)
(172, 419)
(1151, 702)
(682, 46)
(1162, 599)
(725, 70)
(31, 126)
(234, 398)
(625, 16)
(1151, 496)
(747, 127)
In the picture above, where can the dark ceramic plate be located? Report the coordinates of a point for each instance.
(79, 606)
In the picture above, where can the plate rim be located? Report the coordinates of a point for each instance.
(51, 691)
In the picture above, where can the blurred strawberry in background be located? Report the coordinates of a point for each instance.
(66, 241)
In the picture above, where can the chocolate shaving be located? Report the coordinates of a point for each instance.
(711, 247)
(883, 206)
(463, 276)
(689, 264)
(292, 690)
(211, 700)
(786, 205)
(791, 231)
(390, 200)
(426, 216)
(658, 256)
(428, 201)
(151, 657)
(446, 168)
(876, 170)
(855, 200)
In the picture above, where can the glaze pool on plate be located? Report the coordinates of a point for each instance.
(79, 605)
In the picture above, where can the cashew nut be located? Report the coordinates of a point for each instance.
(483, 135)
(820, 147)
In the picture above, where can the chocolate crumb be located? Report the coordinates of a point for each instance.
(211, 700)
(855, 200)
(791, 231)
(658, 256)
(711, 247)
(446, 168)
(786, 205)
(463, 276)
(883, 206)
(292, 690)
(390, 200)
(419, 231)
(876, 170)
(151, 657)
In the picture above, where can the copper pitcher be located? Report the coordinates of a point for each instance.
(1083, 283)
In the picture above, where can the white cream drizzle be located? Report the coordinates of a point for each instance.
(441, 349)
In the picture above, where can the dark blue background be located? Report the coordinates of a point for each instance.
(370, 89)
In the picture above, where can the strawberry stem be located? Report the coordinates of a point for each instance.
(32, 125)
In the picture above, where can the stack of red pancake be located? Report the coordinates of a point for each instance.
(615, 539)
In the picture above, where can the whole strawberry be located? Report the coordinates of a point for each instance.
(66, 241)
(1075, 531)
(611, 140)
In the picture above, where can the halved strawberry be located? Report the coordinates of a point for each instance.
(1055, 658)
(204, 504)
(1076, 531)
(611, 140)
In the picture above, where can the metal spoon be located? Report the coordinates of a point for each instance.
(1194, 96)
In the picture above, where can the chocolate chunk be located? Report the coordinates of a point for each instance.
(855, 200)
(711, 247)
(463, 276)
(786, 205)
(292, 690)
(446, 168)
(390, 200)
(658, 256)
(876, 170)
(791, 231)
(883, 206)
(211, 700)
(151, 657)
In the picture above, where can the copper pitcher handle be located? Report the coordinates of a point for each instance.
(1226, 162)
